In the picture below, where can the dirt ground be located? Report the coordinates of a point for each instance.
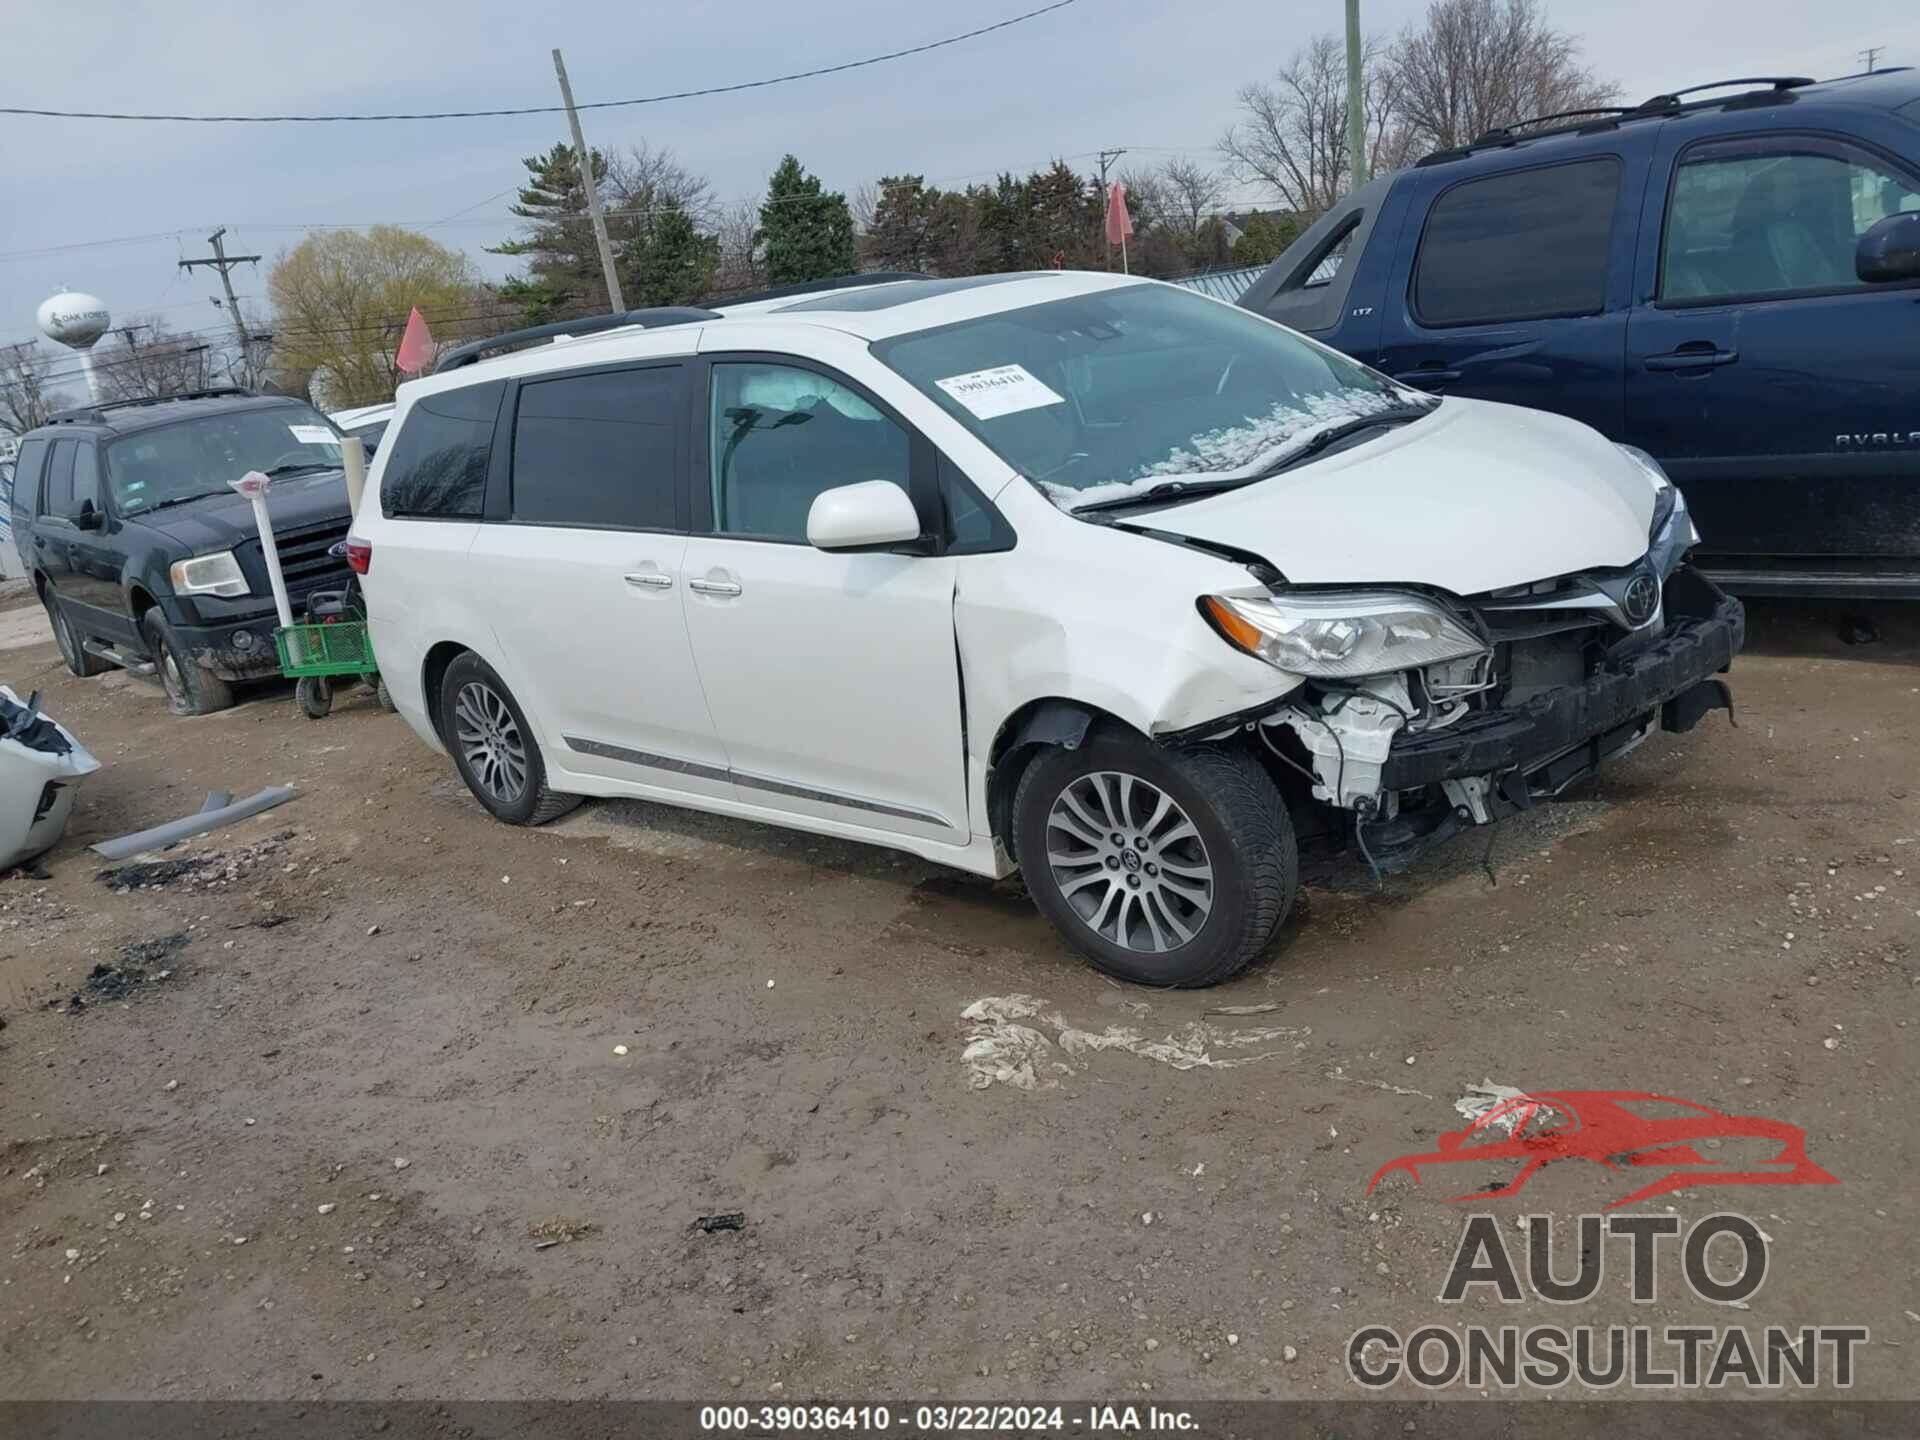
(372, 1135)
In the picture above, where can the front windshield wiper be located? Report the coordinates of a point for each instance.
(1165, 490)
(1318, 442)
(300, 468)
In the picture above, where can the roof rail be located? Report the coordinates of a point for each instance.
(816, 287)
(1507, 134)
(94, 414)
(1671, 98)
(654, 318)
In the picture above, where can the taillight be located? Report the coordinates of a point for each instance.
(359, 555)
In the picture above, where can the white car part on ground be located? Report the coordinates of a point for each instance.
(40, 763)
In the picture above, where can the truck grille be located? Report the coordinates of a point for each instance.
(304, 560)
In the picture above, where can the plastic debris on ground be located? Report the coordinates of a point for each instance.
(1003, 1050)
(1486, 1096)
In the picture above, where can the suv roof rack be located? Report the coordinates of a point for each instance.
(95, 414)
(816, 287)
(653, 318)
(1609, 117)
(1671, 98)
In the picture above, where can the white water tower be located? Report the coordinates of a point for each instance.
(76, 320)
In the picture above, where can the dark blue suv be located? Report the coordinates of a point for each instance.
(1730, 283)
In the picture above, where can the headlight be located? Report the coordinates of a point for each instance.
(209, 575)
(1671, 533)
(1341, 634)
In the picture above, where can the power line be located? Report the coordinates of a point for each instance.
(555, 109)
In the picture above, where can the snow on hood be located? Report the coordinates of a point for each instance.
(1475, 497)
(1241, 449)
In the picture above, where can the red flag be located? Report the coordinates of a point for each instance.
(1119, 223)
(416, 346)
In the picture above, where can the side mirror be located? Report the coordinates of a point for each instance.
(1890, 250)
(89, 518)
(873, 515)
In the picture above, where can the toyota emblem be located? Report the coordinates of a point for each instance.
(1642, 598)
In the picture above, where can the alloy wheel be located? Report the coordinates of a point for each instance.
(1129, 861)
(490, 741)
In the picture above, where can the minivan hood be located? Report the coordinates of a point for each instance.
(222, 521)
(1475, 497)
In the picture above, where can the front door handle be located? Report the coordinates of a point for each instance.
(1424, 376)
(1700, 355)
(652, 579)
(714, 587)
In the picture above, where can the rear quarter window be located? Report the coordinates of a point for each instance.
(1522, 245)
(26, 473)
(437, 466)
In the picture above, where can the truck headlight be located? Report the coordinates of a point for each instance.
(1340, 635)
(1671, 534)
(217, 574)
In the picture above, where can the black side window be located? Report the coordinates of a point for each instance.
(1526, 245)
(86, 478)
(26, 474)
(598, 450)
(438, 468)
(973, 526)
(58, 498)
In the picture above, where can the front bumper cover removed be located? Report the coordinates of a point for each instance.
(1556, 736)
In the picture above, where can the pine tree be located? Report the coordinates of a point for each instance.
(808, 233)
(563, 274)
(669, 262)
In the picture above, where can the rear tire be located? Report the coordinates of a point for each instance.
(191, 690)
(78, 660)
(1202, 872)
(493, 745)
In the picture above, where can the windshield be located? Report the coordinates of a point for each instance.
(1102, 395)
(197, 457)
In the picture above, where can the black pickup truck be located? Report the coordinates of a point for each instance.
(145, 557)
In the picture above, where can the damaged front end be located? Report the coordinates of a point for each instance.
(1505, 699)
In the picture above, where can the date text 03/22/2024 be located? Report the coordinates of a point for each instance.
(945, 1419)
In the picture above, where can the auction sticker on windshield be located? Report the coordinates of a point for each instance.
(314, 435)
(1003, 390)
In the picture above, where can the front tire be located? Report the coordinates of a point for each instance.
(79, 661)
(493, 745)
(1164, 867)
(191, 690)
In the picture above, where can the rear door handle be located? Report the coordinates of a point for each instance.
(714, 587)
(1701, 355)
(1427, 377)
(652, 579)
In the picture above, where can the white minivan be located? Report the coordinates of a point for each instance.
(1081, 575)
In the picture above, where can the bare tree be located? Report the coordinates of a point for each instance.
(641, 180)
(1292, 136)
(1181, 196)
(741, 265)
(1476, 65)
(143, 359)
(28, 393)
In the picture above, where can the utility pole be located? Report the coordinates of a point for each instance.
(1872, 56)
(1356, 101)
(588, 182)
(224, 263)
(1107, 157)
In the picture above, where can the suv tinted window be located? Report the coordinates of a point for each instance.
(57, 498)
(86, 477)
(781, 435)
(1521, 246)
(438, 466)
(1768, 217)
(598, 449)
(26, 474)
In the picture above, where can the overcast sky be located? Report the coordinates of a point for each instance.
(1139, 73)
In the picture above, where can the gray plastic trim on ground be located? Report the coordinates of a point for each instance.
(188, 826)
